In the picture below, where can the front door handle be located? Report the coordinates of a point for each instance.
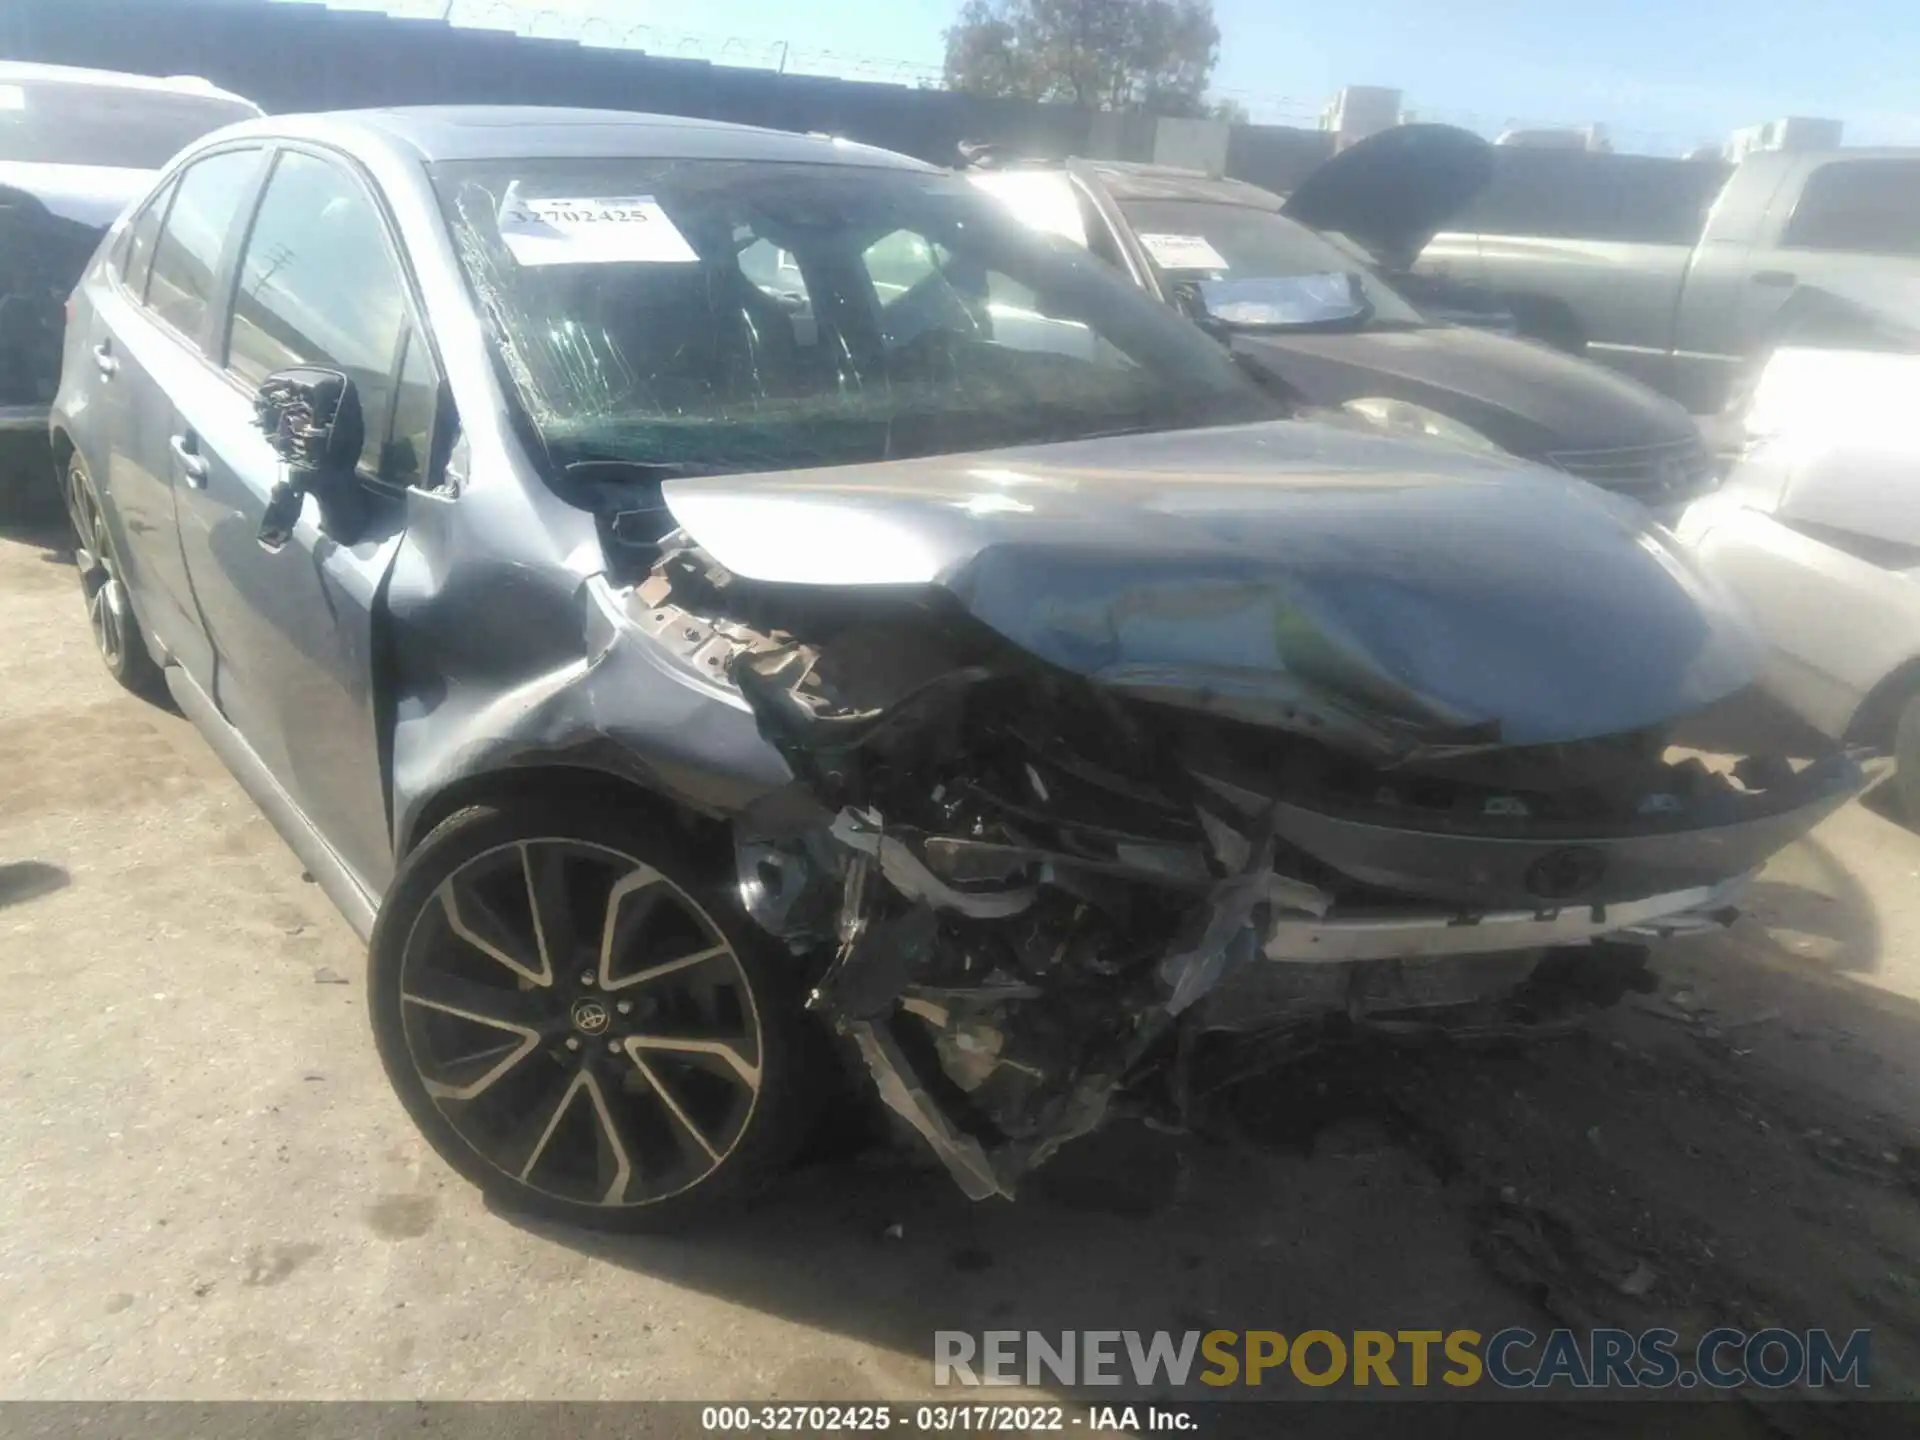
(1779, 279)
(192, 463)
(104, 362)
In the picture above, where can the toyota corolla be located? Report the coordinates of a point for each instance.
(708, 603)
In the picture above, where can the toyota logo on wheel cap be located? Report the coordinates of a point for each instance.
(591, 1016)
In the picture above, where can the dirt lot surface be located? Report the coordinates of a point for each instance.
(211, 1193)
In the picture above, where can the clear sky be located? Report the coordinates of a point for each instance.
(1661, 74)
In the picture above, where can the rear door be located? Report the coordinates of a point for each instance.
(319, 281)
(150, 320)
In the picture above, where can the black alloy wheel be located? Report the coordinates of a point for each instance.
(580, 1019)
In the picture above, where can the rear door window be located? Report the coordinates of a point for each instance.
(1867, 207)
(319, 286)
(186, 259)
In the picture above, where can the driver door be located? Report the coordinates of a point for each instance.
(293, 629)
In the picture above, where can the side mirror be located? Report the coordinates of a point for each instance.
(311, 418)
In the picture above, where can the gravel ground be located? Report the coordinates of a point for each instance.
(211, 1193)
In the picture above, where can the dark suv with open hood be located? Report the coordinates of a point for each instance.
(1319, 317)
(697, 597)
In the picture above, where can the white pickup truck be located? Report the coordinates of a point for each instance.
(1641, 264)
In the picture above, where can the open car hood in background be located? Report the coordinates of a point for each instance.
(1392, 192)
(1391, 598)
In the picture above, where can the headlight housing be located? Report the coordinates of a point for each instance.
(1403, 417)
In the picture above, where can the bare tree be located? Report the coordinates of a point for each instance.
(1098, 54)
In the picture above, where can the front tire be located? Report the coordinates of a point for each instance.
(581, 1021)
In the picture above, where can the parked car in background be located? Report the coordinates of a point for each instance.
(75, 147)
(1671, 271)
(942, 630)
(1817, 529)
(1286, 308)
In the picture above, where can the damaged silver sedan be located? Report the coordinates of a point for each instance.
(708, 604)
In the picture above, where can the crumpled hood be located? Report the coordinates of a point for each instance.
(1383, 594)
(91, 195)
(1525, 397)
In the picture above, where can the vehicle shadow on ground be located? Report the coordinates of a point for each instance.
(51, 534)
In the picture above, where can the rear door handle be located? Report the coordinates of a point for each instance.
(192, 464)
(1780, 279)
(104, 362)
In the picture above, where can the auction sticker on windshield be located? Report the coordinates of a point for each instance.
(1183, 252)
(593, 230)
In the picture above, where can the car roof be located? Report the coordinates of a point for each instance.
(1132, 180)
(26, 72)
(515, 132)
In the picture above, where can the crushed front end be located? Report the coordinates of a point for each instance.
(1026, 890)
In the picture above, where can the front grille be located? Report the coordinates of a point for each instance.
(1652, 474)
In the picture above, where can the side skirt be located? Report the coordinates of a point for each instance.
(338, 882)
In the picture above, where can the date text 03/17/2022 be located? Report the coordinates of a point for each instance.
(949, 1418)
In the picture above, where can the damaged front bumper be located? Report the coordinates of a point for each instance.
(1434, 935)
(1024, 891)
(1524, 863)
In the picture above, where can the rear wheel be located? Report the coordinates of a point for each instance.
(580, 1020)
(116, 631)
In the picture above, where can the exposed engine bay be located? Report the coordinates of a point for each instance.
(1027, 894)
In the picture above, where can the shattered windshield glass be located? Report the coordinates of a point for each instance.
(1196, 239)
(722, 316)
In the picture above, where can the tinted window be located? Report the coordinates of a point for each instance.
(61, 123)
(639, 317)
(1868, 206)
(318, 286)
(187, 258)
(138, 251)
